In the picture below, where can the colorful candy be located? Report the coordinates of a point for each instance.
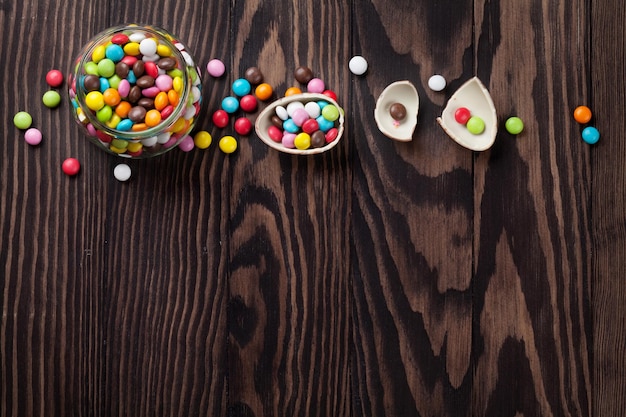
(462, 115)
(514, 125)
(590, 135)
(216, 68)
(202, 139)
(475, 125)
(33, 136)
(582, 114)
(22, 120)
(134, 84)
(54, 78)
(71, 166)
(228, 144)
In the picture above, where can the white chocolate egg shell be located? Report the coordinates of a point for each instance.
(474, 96)
(264, 121)
(402, 92)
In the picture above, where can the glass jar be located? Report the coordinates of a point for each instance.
(135, 90)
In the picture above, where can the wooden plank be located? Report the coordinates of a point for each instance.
(412, 218)
(532, 338)
(165, 292)
(607, 52)
(52, 226)
(289, 253)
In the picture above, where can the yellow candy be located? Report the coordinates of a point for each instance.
(98, 53)
(131, 48)
(116, 150)
(202, 139)
(113, 121)
(134, 147)
(178, 125)
(164, 50)
(228, 144)
(302, 141)
(177, 83)
(94, 100)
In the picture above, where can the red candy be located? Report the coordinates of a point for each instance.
(151, 69)
(243, 126)
(119, 39)
(220, 118)
(71, 166)
(129, 60)
(462, 115)
(275, 133)
(248, 103)
(310, 126)
(332, 134)
(54, 78)
(330, 93)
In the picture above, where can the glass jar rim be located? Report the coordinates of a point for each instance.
(85, 56)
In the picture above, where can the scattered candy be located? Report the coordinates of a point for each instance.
(514, 125)
(292, 91)
(51, 99)
(263, 91)
(590, 135)
(582, 114)
(316, 85)
(202, 139)
(254, 76)
(230, 104)
(303, 75)
(122, 172)
(228, 144)
(243, 126)
(220, 118)
(241, 87)
(22, 120)
(462, 115)
(358, 65)
(248, 103)
(54, 78)
(437, 83)
(475, 125)
(71, 166)
(33, 136)
(216, 68)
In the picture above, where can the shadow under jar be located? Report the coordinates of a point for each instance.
(136, 91)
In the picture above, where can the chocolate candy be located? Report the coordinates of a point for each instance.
(137, 114)
(91, 83)
(167, 63)
(397, 111)
(254, 75)
(122, 69)
(318, 139)
(145, 81)
(138, 68)
(303, 75)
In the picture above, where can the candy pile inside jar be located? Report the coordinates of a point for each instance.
(305, 122)
(137, 91)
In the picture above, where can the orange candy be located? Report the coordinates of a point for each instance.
(582, 114)
(153, 118)
(173, 97)
(122, 109)
(111, 97)
(263, 91)
(138, 127)
(161, 100)
(292, 91)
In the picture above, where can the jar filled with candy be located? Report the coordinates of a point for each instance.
(135, 90)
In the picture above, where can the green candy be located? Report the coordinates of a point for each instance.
(330, 113)
(514, 125)
(475, 125)
(91, 68)
(22, 120)
(106, 68)
(51, 99)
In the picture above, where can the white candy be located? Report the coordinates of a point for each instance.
(137, 37)
(313, 109)
(291, 107)
(122, 172)
(148, 47)
(282, 112)
(149, 142)
(358, 65)
(437, 83)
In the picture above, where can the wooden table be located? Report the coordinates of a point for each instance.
(380, 278)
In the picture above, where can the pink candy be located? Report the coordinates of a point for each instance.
(299, 116)
(33, 136)
(316, 85)
(163, 82)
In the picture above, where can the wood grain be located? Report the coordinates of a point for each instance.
(378, 279)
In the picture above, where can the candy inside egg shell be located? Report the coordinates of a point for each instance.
(402, 92)
(476, 98)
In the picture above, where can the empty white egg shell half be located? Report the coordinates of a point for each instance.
(264, 121)
(402, 92)
(474, 96)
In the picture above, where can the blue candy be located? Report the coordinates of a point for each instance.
(590, 135)
(290, 126)
(124, 125)
(104, 84)
(241, 87)
(325, 124)
(230, 104)
(114, 52)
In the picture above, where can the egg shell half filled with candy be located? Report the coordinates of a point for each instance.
(264, 121)
(402, 92)
(474, 96)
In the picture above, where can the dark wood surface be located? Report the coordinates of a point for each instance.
(380, 278)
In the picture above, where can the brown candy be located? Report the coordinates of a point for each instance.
(277, 121)
(397, 111)
(145, 81)
(91, 83)
(138, 68)
(167, 63)
(303, 75)
(318, 139)
(135, 94)
(254, 75)
(137, 114)
(146, 103)
(122, 69)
